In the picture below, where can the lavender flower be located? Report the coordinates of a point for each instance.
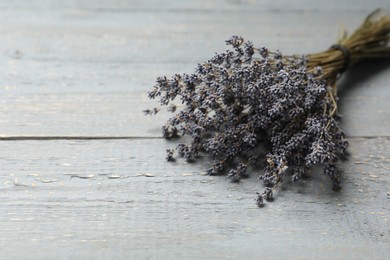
(249, 97)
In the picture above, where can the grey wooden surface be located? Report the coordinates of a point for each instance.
(74, 76)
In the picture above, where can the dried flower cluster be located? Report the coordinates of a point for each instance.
(247, 97)
(249, 106)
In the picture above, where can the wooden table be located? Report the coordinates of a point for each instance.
(83, 174)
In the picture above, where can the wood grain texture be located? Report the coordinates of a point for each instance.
(141, 37)
(74, 72)
(120, 199)
(82, 69)
(120, 113)
(191, 6)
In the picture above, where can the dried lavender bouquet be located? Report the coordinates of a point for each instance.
(248, 97)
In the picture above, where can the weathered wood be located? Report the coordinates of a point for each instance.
(100, 199)
(87, 73)
(144, 37)
(120, 113)
(79, 70)
(194, 6)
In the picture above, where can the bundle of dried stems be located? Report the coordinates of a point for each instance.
(370, 40)
(248, 99)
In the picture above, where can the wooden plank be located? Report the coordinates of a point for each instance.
(120, 114)
(81, 68)
(88, 114)
(200, 5)
(55, 83)
(93, 199)
(24, 77)
(150, 37)
(55, 77)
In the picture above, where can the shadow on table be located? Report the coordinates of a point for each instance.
(359, 74)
